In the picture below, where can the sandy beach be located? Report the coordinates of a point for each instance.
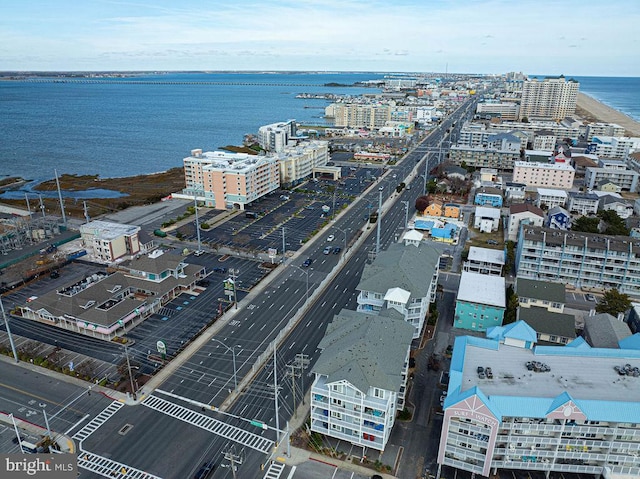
(591, 109)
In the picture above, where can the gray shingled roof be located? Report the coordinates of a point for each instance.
(408, 267)
(547, 322)
(366, 350)
(542, 290)
(604, 331)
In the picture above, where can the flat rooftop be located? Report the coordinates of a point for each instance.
(584, 374)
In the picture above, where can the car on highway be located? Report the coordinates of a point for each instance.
(327, 250)
(337, 250)
(307, 262)
(331, 237)
(205, 471)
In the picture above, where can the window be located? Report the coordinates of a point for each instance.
(335, 414)
(337, 402)
(378, 393)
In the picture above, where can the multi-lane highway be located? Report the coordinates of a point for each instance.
(169, 437)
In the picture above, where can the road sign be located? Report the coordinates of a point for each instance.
(257, 423)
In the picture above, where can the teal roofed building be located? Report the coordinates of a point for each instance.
(515, 405)
(481, 301)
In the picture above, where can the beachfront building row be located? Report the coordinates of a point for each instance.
(603, 129)
(579, 259)
(540, 409)
(360, 115)
(225, 180)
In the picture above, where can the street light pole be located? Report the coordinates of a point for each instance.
(305, 271)
(195, 205)
(379, 220)
(344, 232)
(406, 213)
(233, 354)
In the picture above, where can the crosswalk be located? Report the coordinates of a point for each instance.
(233, 433)
(274, 471)
(109, 468)
(97, 421)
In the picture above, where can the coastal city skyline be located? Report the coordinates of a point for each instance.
(483, 36)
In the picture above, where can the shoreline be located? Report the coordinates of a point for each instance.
(589, 109)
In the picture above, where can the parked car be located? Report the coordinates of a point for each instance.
(590, 297)
(331, 237)
(493, 242)
(489, 373)
(220, 270)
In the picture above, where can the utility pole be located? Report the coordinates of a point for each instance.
(299, 364)
(64, 217)
(195, 205)
(284, 246)
(42, 206)
(275, 387)
(86, 211)
(133, 390)
(233, 274)
(233, 458)
(26, 197)
(6, 323)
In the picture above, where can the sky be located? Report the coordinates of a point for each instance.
(571, 37)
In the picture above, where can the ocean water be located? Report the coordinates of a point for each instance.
(621, 93)
(116, 128)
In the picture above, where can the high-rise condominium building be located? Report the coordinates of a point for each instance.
(549, 99)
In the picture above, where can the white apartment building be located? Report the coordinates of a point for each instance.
(603, 129)
(480, 157)
(549, 99)
(229, 180)
(580, 259)
(108, 242)
(550, 197)
(544, 140)
(404, 278)
(297, 163)
(523, 213)
(612, 171)
(360, 377)
(555, 175)
(560, 409)
(478, 134)
(486, 219)
(506, 111)
(276, 136)
(359, 115)
(559, 129)
(583, 203)
(619, 147)
(484, 261)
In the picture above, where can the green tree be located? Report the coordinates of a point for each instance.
(614, 225)
(432, 186)
(613, 302)
(511, 257)
(512, 306)
(586, 224)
